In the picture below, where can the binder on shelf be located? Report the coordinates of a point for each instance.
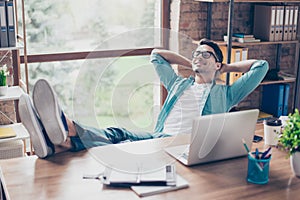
(10, 23)
(279, 23)
(272, 99)
(295, 21)
(3, 25)
(244, 56)
(236, 54)
(285, 111)
(286, 23)
(291, 23)
(264, 22)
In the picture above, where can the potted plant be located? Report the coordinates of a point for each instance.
(3, 76)
(290, 140)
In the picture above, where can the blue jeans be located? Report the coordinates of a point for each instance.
(88, 137)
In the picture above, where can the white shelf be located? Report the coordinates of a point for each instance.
(285, 80)
(13, 93)
(11, 48)
(252, 1)
(20, 130)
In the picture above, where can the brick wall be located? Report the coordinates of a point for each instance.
(7, 108)
(8, 111)
(190, 19)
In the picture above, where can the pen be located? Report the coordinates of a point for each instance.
(245, 145)
(256, 153)
(267, 156)
(247, 149)
(256, 162)
(267, 152)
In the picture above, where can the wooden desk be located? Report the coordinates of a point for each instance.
(60, 176)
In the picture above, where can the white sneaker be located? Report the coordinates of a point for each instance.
(30, 120)
(48, 109)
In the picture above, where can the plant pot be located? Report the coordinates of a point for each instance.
(295, 163)
(3, 90)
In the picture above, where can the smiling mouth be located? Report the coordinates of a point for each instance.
(196, 71)
(196, 68)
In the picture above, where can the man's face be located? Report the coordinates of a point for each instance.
(204, 60)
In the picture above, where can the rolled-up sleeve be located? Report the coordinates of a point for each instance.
(248, 82)
(164, 70)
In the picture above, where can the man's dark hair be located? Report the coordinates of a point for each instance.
(215, 47)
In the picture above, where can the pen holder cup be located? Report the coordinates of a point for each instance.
(258, 169)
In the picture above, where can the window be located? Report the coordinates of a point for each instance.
(104, 92)
(118, 86)
(75, 26)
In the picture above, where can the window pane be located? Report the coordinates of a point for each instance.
(122, 92)
(76, 25)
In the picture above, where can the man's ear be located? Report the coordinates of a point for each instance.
(218, 66)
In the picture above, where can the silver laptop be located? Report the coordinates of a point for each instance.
(217, 137)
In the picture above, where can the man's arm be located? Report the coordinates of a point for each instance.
(173, 58)
(249, 81)
(242, 66)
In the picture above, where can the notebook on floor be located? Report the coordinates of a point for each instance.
(217, 137)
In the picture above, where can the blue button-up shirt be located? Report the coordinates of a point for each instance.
(221, 98)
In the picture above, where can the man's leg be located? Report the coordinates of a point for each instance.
(41, 144)
(88, 137)
(64, 133)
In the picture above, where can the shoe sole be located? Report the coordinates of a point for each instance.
(46, 105)
(31, 123)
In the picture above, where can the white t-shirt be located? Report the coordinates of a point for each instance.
(187, 107)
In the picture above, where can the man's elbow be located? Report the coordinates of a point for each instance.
(155, 55)
(265, 66)
(157, 51)
(262, 65)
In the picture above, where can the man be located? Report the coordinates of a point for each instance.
(51, 132)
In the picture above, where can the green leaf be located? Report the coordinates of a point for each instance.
(290, 138)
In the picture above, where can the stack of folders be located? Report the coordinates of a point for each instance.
(237, 54)
(146, 184)
(7, 24)
(275, 22)
(242, 38)
(275, 99)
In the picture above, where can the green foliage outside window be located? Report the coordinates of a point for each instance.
(61, 26)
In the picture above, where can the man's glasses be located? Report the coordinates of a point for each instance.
(205, 54)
